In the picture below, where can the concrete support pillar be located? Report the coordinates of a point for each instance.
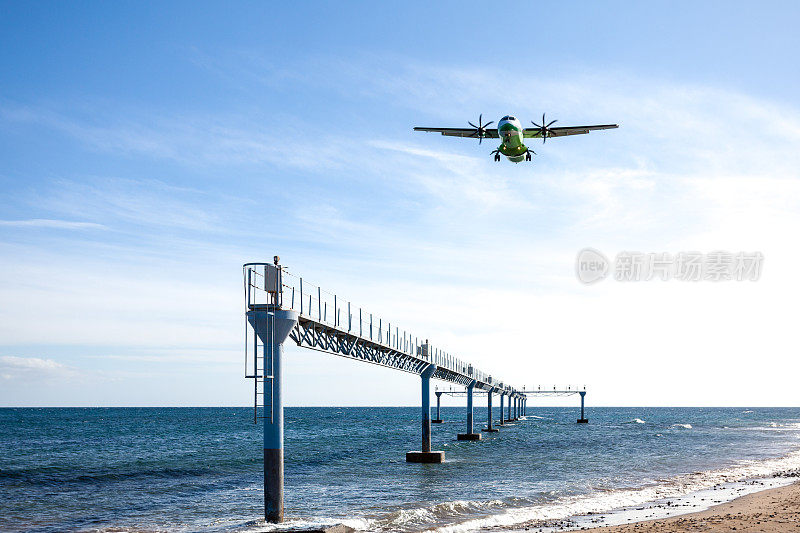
(438, 419)
(426, 408)
(470, 424)
(273, 325)
(582, 419)
(502, 418)
(514, 410)
(489, 428)
(508, 417)
(426, 455)
(470, 434)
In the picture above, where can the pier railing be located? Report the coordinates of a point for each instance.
(541, 390)
(324, 309)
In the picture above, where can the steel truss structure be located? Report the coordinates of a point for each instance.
(310, 333)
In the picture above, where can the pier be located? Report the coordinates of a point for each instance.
(281, 306)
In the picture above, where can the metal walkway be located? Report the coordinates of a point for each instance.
(333, 325)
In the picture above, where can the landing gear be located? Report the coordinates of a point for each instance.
(529, 155)
(496, 155)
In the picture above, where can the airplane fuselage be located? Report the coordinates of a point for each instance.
(511, 135)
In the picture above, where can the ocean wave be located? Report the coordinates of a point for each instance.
(262, 526)
(410, 519)
(685, 426)
(772, 426)
(635, 421)
(478, 516)
(425, 518)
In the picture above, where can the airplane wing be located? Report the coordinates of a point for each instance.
(490, 133)
(567, 130)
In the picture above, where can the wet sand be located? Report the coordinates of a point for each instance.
(771, 510)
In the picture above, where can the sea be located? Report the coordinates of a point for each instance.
(200, 469)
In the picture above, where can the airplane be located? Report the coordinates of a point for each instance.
(510, 130)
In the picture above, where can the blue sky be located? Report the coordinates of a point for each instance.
(147, 151)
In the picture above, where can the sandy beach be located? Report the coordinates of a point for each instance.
(772, 510)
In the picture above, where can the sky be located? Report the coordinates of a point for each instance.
(148, 150)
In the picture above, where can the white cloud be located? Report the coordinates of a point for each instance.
(139, 202)
(50, 223)
(32, 368)
(194, 141)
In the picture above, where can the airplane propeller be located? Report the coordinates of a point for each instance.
(480, 129)
(544, 128)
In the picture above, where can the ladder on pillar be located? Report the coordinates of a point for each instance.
(260, 371)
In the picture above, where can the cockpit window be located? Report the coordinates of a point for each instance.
(510, 118)
(505, 118)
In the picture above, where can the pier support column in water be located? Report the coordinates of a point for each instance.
(426, 455)
(470, 434)
(502, 419)
(582, 419)
(272, 324)
(489, 428)
(438, 419)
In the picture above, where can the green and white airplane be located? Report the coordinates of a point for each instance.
(510, 130)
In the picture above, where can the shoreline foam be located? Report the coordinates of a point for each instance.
(659, 510)
(771, 510)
